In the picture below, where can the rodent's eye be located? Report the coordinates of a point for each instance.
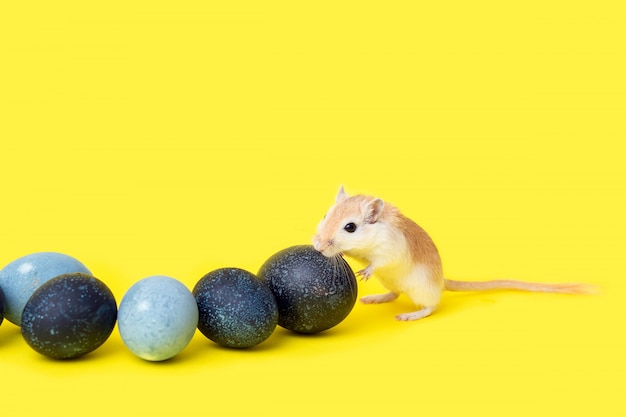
(350, 228)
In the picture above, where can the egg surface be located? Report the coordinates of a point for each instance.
(69, 316)
(23, 276)
(313, 292)
(157, 318)
(1, 305)
(237, 309)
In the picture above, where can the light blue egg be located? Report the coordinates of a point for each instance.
(157, 318)
(23, 276)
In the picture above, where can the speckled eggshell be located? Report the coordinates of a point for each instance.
(237, 309)
(157, 318)
(69, 316)
(23, 276)
(1, 305)
(313, 292)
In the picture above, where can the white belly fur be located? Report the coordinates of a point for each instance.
(416, 282)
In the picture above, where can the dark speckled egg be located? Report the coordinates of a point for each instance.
(313, 292)
(1, 306)
(236, 308)
(69, 316)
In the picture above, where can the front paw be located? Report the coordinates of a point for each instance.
(365, 273)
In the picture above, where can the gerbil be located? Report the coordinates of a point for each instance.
(401, 253)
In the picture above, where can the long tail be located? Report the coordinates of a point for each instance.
(567, 288)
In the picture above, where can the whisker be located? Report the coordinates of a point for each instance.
(345, 270)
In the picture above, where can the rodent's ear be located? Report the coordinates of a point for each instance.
(341, 195)
(373, 210)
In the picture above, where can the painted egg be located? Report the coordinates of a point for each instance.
(313, 292)
(157, 318)
(69, 316)
(23, 276)
(237, 309)
(1, 305)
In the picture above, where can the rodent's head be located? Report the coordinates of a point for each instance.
(350, 226)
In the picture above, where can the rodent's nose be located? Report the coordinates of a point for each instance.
(317, 244)
(322, 245)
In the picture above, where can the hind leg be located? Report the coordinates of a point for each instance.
(426, 293)
(379, 298)
(416, 315)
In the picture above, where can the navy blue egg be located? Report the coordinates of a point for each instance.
(313, 292)
(69, 316)
(1, 306)
(236, 309)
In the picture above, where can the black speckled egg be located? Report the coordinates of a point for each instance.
(1, 306)
(313, 292)
(236, 308)
(69, 316)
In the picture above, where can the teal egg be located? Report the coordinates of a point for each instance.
(157, 318)
(20, 278)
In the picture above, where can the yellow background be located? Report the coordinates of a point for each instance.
(178, 137)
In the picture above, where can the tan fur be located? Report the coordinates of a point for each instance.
(403, 255)
(421, 246)
(566, 288)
